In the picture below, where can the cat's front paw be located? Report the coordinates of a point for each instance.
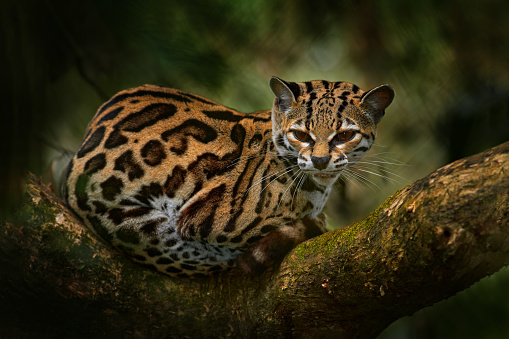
(248, 264)
(269, 251)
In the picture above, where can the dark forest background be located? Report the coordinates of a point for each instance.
(447, 60)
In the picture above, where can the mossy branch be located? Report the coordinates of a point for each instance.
(428, 241)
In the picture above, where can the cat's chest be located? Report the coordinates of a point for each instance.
(281, 191)
(246, 202)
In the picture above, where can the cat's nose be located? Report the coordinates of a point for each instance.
(320, 163)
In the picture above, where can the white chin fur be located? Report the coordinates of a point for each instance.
(325, 179)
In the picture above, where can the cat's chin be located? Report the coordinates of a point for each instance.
(325, 179)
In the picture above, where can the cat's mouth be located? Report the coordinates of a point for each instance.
(325, 179)
(324, 175)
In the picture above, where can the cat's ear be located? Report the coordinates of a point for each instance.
(286, 93)
(376, 101)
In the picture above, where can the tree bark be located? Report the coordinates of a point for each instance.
(427, 242)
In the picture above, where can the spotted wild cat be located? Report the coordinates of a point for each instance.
(188, 186)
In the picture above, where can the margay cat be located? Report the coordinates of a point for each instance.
(188, 186)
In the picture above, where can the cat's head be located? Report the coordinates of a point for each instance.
(326, 126)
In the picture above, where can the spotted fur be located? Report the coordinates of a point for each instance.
(188, 186)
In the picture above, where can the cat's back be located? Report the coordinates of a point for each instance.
(159, 136)
(134, 115)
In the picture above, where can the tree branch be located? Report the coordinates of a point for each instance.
(427, 242)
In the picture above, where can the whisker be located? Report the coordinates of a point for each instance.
(349, 178)
(283, 171)
(289, 169)
(382, 157)
(385, 162)
(381, 169)
(290, 185)
(362, 179)
(297, 188)
(377, 174)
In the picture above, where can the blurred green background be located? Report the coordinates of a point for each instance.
(447, 60)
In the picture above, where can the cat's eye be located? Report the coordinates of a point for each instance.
(344, 136)
(302, 136)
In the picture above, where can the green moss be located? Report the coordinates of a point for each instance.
(34, 214)
(341, 239)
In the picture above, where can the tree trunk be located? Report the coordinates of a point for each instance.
(427, 242)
